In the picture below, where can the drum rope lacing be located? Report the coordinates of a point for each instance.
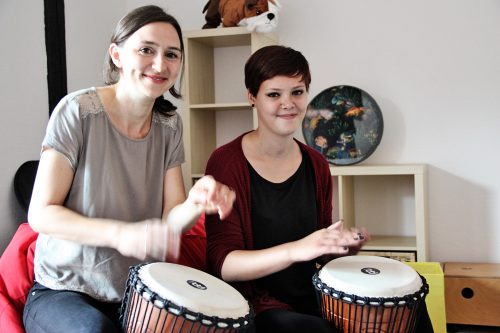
(376, 301)
(175, 309)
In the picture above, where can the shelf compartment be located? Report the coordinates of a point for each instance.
(391, 243)
(229, 36)
(413, 175)
(202, 48)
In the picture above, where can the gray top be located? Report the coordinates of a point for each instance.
(115, 177)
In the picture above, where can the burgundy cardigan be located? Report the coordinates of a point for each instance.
(228, 165)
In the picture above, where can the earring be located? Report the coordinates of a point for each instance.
(253, 105)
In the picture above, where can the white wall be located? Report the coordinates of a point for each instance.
(23, 100)
(89, 25)
(432, 66)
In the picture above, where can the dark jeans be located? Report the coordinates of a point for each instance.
(48, 310)
(424, 324)
(281, 321)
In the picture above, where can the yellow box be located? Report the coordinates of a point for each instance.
(435, 301)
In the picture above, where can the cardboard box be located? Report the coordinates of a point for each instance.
(472, 292)
(435, 301)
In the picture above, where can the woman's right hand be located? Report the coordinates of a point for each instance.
(151, 239)
(213, 196)
(332, 240)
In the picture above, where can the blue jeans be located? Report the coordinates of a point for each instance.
(48, 310)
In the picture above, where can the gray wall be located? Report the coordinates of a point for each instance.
(23, 100)
(432, 66)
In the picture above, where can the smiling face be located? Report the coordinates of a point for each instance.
(281, 104)
(149, 61)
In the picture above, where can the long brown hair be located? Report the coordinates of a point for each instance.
(127, 26)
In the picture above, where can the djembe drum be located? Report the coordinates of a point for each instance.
(370, 294)
(163, 297)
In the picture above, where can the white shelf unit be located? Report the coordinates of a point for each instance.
(346, 176)
(199, 91)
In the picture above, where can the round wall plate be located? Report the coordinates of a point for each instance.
(343, 123)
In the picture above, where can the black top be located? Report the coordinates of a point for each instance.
(281, 213)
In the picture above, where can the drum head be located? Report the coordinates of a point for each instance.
(195, 290)
(370, 276)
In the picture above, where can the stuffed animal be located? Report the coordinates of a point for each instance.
(265, 22)
(231, 12)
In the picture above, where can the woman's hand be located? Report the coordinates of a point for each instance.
(213, 196)
(151, 239)
(245, 265)
(206, 196)
(332, 240)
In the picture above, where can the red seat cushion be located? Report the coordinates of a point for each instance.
(16, 278)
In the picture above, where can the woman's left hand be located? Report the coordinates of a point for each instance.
(213, 196)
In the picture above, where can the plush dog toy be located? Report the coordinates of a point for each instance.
(265, 22)
(231, 12)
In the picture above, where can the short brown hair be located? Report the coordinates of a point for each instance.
(275, 60)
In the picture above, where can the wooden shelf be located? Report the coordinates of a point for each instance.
(378, 170)
(199, 118)
(226, 37)
(346, 176)
(391, 243)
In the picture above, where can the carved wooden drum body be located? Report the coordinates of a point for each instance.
(163, 297)
(370, 294)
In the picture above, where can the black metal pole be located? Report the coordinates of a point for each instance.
(55, 44)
